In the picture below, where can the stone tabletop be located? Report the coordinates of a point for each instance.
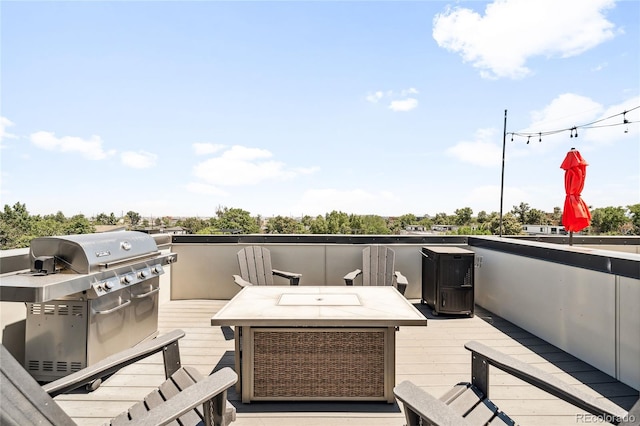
(318, 306)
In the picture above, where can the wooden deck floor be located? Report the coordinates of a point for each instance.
(433, 357)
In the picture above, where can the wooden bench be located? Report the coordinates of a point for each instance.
(185, 395)
(469, 403)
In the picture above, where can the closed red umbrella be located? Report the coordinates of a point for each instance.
(576, 215)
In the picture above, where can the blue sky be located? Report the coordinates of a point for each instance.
(294, 108)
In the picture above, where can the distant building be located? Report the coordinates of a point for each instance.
(444, 228)
(544, 230)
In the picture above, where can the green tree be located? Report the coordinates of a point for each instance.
(634, 211)
(537, 217)
(356, 224)
(18, 227)
(338, 223)
(45, 227)
(556, 216)
(193, 224)
(235, 219)
(482, 217)
(468, 230)
(15, 223)
(318, 225)
(78, 224)
(463, 216)
(608, 220)
(426, 221)
(284, 225)
(104, 219)
(407, 219)
(521, 212)
(441, 219)
(374, 225)
(510, 225)
(134, 218)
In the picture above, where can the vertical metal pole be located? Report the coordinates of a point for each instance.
(504, 144)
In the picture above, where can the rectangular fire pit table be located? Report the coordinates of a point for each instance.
(316, 343)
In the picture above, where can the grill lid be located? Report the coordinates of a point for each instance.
(88, 253)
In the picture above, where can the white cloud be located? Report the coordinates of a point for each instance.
(483, 151)
(306, 170)
(566, 110)
(614, 129)
(207, 148)
(600, 67)
(138, 160)
(396, 103)
(510, 32)
(241, 165)
(88, 148)
(4, 123)
(563, 112)
(404, 105)
(204, 189)
(357, 201)
(409, 91)
(374, 97)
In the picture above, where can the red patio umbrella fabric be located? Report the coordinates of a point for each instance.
(576, 215)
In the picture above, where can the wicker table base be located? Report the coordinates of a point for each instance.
(317, 363)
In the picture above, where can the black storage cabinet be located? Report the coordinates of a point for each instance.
(448, 279)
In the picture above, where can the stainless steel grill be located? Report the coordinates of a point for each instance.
(87, 297)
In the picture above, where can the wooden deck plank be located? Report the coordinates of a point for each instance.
(433, 357)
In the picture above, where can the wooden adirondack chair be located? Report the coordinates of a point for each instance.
(469, 403)
(189, 397)
(255, 268)
(378, 263)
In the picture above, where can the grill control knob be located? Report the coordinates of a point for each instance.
(126, 279)
(107, 285)
(157, 269)
(142, 274)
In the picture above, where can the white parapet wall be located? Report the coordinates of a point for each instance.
(590, 314)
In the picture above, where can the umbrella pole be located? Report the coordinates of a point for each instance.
(570, 238)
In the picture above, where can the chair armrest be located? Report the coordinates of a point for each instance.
(294, 278)
(112, 363)
(401, 281)
(348, 279)
(418, 403)
(545, 381)
(241, 282)
(189, 398)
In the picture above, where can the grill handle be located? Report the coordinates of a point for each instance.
(147, 294)
(108, 311)
(108, 265)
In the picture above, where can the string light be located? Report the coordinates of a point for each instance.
(624, 121)
(573, 131)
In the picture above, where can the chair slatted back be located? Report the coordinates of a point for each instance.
(255, 265)
(378, 263)
(24, 402)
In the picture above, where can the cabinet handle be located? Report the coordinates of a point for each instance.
(117, 308)
(143, 295)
